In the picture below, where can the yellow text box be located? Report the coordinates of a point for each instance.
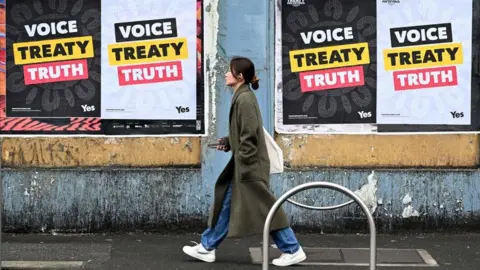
(147, 51)
(330, 57)
(422, 57)
(53, 50)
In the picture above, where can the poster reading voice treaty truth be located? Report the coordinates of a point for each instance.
(329, 62)
(424, 62)
(149, 64)
(52, 70)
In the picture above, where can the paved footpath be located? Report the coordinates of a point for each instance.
(156, 251)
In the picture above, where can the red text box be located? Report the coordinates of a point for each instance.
(425, 78)
(150, 73)
(55, 72)
(322, 80)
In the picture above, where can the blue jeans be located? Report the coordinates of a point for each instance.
(284, 239)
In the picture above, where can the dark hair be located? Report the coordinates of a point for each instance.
(243, 65)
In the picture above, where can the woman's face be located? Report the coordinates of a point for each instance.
(230, 79)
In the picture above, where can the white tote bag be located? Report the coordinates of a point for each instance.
(275, 154)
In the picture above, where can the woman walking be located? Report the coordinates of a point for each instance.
(242, 197)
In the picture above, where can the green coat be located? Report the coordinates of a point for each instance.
(248, 170)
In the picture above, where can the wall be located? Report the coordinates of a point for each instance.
(100, 152)
(427, 182)
(99, 200)
(384, 151)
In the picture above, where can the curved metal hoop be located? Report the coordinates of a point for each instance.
(333, 207)
(295, 190)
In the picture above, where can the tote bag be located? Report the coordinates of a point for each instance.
(275, 154)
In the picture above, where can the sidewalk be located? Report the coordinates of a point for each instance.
(155, 251)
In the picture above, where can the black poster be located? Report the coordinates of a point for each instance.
(53, 58)
(329, 62)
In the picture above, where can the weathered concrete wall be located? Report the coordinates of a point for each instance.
(102, 200)
(100, 152)
(49, 200)
(373, 151)
(97, 184)
(300, 151)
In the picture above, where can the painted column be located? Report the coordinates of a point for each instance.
(234, 28)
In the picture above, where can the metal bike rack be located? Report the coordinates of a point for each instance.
(328, 185)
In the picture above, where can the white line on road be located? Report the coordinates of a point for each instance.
(41, 264)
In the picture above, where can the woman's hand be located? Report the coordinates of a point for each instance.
(222, 146)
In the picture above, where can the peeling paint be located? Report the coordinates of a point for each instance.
(373, 151)
(287, 146)
(211, 58)
(368, 192)
(189, 145)
(128, 200)
(286, 142)
(111, 140)
(100, 152)
(380, 201)
(407, 199)
(409, 211)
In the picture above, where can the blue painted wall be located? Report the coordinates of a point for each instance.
(244, 30)
(169, 200)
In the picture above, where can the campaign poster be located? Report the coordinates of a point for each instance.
(53, 53)
(153, 66)
(328, 58)
(424, 62)
(35, 126)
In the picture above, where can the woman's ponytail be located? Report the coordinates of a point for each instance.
(255, 83)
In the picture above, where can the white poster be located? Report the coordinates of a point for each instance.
(424, 62)
(149, 66)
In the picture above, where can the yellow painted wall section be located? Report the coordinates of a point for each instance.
(99, 152)
(300, 151)
(390, 151)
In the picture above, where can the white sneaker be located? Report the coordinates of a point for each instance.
(290, 259)
(199, 252)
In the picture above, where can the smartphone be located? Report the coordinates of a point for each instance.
(216, 144)
(213, 145)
